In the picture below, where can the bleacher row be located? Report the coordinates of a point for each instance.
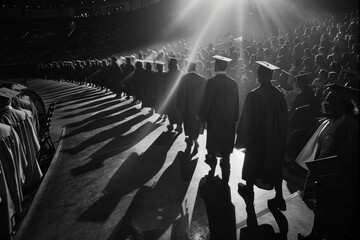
(26, 149)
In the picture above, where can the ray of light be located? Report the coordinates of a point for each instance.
(212, 17)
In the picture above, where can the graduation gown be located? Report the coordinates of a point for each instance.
(219, 108)
(171, 91)
(338, 202)
(127, 79)
(262, 131)
(12, 177)
(191, 89)
(114, 78)
(148, 89)
(159, 80)
(137, 84)
(306, 96)
(28, 138)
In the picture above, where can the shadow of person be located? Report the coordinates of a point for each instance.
(220, 210)
(280, 220)
(102, 122)
(132, 174)
(259, 232)
(187, 166)
(154, 209)
(114, 147)
(99, 115)
(253, 231)
(92, 106)
(92, 109)
(115, 133)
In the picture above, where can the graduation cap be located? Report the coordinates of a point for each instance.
(173, 60)
(128, 58)
(265, 70)
(352, 72)
(221, 62)
(239, 39)
(266, 65)
(159, 62)
(303, 79)
(325, 167)
(221, 58)
(342, 92)
(191, 63)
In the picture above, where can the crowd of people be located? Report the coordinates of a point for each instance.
(249, 89)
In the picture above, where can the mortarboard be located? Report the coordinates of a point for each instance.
(221, 58)
(191, 61)
(160, 62)
(325, 167)
(353, 72)
(239, 39)
(303, 78)
(173, 60)
(267, 65)
(265, 70)
(342, 92)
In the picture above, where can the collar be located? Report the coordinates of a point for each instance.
(221, 72)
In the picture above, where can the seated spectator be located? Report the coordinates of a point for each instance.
(337, 195)
(321, 80)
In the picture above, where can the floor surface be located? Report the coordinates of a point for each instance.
(119, 174)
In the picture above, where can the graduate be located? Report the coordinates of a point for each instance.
(127, 77)
(219, 109)
(148, 86)
(337, 195)
(172, 77)
(262, 132)
(137, 84)
(306, 95)
(191, 89)
(159, 81)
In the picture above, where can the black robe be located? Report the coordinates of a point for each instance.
(262, 131)
(171, 89)
(159, 80)
(148, 88)
(191, 89)
(219, 108)
(137, 83)
(127, 79)
(307, 96)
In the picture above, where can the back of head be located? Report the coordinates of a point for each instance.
(265, 71)
(264, 74)
(173, 64)
(148, 66)
(221, 63)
